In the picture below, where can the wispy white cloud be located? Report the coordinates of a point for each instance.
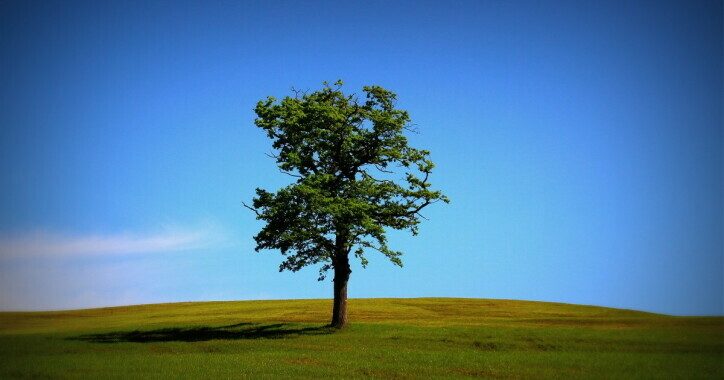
(53, 244)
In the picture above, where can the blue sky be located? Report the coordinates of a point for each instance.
(580, 142)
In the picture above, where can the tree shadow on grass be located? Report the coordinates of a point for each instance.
(204, 333)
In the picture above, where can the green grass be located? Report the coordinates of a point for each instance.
(387, 339)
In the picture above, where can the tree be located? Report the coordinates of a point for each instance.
(342, 153)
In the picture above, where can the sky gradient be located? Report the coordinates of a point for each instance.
(580, 142)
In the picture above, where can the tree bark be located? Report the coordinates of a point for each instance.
(341, 277)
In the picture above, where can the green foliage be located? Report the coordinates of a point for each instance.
(344, 154)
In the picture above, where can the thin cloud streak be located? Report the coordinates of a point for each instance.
(49, 244)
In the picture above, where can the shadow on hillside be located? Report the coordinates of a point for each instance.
(200, 334)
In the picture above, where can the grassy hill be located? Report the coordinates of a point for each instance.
(388, 339)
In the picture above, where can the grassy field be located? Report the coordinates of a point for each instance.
(388, 339)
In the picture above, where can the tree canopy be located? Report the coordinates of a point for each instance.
(355, 176)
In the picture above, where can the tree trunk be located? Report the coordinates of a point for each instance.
(341, 277)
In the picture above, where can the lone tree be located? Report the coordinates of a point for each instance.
(342, 152)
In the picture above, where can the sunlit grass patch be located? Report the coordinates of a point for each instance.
(388, 338)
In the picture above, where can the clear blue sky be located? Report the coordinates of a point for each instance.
(579, 141)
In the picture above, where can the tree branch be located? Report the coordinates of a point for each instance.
(421, 216)
(420, 207)
(297, 92)
(291, 174)
(411, 128)
(251, 208)
(383, 170)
